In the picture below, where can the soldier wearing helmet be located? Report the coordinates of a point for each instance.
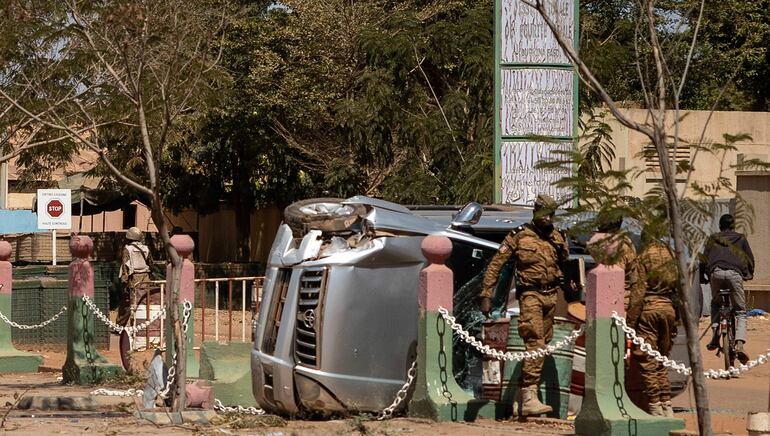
(134, 269)
(539, 251)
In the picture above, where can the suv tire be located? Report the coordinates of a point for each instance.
(325, 214)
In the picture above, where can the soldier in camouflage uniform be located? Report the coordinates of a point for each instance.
(657, 321)
(539, 251)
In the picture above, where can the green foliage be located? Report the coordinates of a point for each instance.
(125, 79)
(733, 51)
(389, 99)
(596, 148)
(729, 64)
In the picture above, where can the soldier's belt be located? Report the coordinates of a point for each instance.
(543, 289)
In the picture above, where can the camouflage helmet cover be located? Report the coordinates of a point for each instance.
(134, 234)
(545, 202)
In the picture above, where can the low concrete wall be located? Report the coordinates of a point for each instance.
(228, 367)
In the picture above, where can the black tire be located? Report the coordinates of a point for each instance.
(727, 348)
(325, 214)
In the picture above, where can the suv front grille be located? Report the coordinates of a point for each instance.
(311, 285)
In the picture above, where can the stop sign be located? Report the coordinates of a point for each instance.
(55, 208)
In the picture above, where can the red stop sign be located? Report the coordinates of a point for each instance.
(55, 208)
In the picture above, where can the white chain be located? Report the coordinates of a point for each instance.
(133, 330)
(499, 355)
(238, 409)
(387, 412)
(172, 371)
(681, 368)
(119, 328)
(101, 316)
(32, 327)
(115, 393)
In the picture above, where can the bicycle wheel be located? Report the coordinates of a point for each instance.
(728, 343)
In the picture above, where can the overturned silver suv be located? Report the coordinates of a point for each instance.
(337, 326)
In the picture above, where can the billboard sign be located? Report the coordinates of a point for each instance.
(536, 91)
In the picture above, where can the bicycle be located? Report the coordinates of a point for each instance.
(726, 328)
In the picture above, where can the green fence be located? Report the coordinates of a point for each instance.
(40, 291)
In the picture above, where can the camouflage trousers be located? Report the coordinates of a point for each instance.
(127, 297)
(656, 324)
(536, 330)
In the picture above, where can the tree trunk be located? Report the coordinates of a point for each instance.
(242, 228)
(685, 281)
(178, 395)
(241, 201)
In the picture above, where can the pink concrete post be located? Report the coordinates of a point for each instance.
(607, 408)
(84, 365)
(603, 298)
(81, 271)
(6, 271)
(436, 394)
(199, 394)
(11, 359)
(184, 245)
(436, 280)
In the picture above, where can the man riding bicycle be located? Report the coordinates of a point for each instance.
(727, 261)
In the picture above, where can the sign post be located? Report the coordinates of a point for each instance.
(54, 211)
(536, 93)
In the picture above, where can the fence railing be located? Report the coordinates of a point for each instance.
(221, 292)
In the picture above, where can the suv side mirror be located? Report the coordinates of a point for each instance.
(468, 215)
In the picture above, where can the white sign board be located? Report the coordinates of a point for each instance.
(527, 39)
(522, 182)
(54, 209)
(537, 101)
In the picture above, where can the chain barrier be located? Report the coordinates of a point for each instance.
(681, 368)
(32, 327)
(172, 371)
(499, 355)
(387, 412)
(116, 393)
(119, 328)
(238, 409)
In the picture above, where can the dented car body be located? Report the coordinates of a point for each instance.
(337, 325)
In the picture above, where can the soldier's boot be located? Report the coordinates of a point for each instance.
(668, 411)
(656, 409)
(714, 344)
(530, 405)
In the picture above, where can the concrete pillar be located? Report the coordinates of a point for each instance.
(84, 365)
(606, 408)
(11, 359)
(183, 244)
(436, 393)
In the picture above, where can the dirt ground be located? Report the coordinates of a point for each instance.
(730, 401)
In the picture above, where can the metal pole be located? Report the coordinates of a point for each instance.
(243, 311)
(4, 185)
(203, 311)
(216, 311)
(229, 310)
(147, 305)
(162, 291)
(80, 223)
(53, 245)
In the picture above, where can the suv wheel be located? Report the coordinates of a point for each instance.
(325, 214)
